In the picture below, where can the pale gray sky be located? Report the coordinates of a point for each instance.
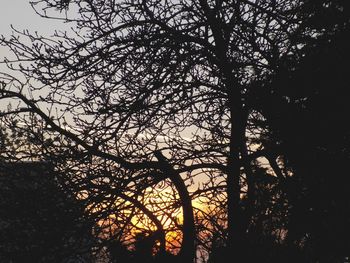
(20, 14)
(16, 12)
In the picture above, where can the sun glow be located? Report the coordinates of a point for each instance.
(132, 225)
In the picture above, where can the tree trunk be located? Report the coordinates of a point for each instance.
(236, 221)
(188, 250)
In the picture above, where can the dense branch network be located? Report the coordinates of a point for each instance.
(155, 110)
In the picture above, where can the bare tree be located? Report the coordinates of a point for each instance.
(145, 93)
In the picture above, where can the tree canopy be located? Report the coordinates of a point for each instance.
(199, 123)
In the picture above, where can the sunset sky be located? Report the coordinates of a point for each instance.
(174, 131)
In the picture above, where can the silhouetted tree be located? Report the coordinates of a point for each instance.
(156, 95)
(39, 222)
(310, 129)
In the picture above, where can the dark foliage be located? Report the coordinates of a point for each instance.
(38, 221)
